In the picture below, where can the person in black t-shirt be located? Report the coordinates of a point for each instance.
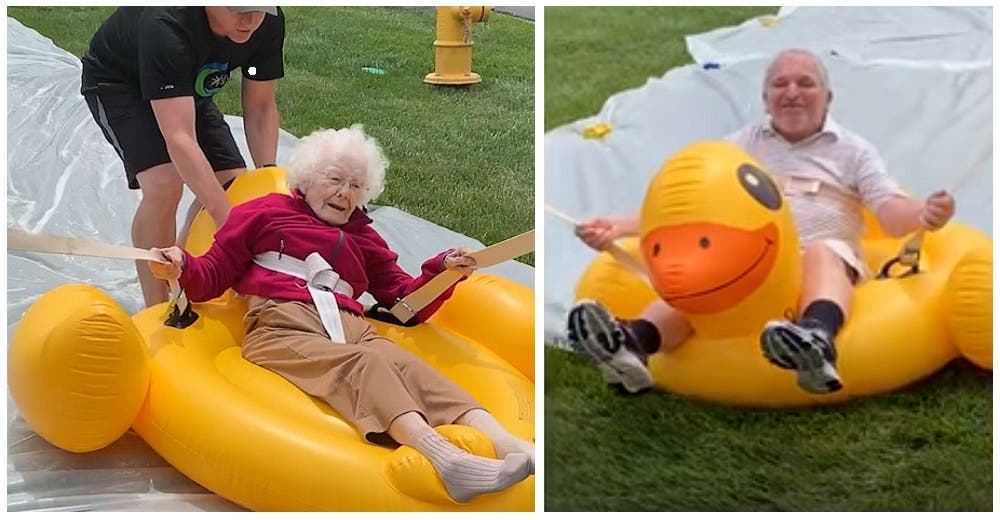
(148, 79)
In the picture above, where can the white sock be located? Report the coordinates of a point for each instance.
(467, 476)
(504, 443)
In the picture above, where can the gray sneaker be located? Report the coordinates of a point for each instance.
(594, 331)
(805, 349)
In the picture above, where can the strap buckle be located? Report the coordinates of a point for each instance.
(909, 257)
(182, 314)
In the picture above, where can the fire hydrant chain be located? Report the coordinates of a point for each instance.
(466, 26)
(453, 45)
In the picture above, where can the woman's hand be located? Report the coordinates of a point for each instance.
(460, 260)
(172, 265)
(938, 210)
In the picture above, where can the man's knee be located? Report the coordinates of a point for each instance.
(820, 259)
(161, 187)
(819, 254)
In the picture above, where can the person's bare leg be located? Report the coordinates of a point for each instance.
(155, 222)
(464, 475)
(672, 326)
(504, 442)
(224, 176)
(807, 344)
(824, 277)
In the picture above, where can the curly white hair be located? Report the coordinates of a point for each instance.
(318, 151)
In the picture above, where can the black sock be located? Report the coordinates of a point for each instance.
(646, 335)
(826, 314)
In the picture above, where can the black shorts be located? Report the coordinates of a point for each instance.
(128, 123)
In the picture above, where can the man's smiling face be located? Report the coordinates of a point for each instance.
(796, 97)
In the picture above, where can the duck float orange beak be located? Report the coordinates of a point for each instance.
(719, 241)
(721, 247)
(675, 255)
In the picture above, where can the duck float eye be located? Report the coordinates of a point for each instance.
(759, 185)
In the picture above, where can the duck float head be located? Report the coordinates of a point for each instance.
(721, 247)
(719, 240)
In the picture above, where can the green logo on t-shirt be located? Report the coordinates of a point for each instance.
(211, 78)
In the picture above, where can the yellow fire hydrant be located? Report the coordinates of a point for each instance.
(453, 45)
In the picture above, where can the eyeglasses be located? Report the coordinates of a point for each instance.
(338, 183)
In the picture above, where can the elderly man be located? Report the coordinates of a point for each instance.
(828, 173)
(148, 79)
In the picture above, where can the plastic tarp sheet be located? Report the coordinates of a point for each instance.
(916, 82)
(65, 179)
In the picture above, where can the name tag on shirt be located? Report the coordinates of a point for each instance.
(802, 186)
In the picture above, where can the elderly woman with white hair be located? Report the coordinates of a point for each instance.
(390, 395)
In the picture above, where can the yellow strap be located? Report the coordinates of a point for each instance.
(513, 247)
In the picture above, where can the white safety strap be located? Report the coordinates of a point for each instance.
(322, 282)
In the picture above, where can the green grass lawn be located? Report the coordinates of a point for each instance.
(592, 53)
(461, 157)
(926, 448)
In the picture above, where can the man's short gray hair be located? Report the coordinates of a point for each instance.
(320, 150)
(824, 76)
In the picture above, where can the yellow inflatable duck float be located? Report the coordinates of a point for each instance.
(82, 372)
(721, 247)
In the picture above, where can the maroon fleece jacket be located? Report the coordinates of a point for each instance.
(286, 223)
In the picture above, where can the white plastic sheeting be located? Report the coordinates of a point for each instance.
(64, 179)
(916, 37)
(916, 82)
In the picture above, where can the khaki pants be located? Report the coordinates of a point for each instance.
(370, 381)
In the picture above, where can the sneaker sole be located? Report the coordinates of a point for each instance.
(595, 337)
(814, 373)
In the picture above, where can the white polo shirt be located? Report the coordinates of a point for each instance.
(850, 171)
